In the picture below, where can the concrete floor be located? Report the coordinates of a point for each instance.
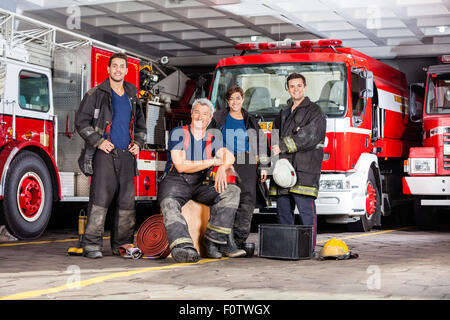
(394, 263)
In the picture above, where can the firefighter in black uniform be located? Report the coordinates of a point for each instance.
(111, 122)
(298, 134)
(192, 152)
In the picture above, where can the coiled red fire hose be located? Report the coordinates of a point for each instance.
(151, 238)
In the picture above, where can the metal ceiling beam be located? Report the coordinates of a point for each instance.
(415, 51)
(446, 3)
(55, 18)
(240, 19)
(290, 18)
(185, 20)
(410, 23)
(148, 27)
(222, 34)
(362, 28)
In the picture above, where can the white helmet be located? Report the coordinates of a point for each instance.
(284, 174)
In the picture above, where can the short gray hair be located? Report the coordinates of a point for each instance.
(204, 102)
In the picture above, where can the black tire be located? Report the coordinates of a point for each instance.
(27, 210)
(367, 221)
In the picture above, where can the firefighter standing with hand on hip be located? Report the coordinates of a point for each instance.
(111, 122)
(300, 130)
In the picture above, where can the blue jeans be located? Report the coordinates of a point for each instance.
(306, 207)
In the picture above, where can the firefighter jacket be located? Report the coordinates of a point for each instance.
(95, 114)
(301, 136)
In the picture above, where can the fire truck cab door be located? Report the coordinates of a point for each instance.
(28, 104)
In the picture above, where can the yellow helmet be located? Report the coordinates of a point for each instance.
(336, 249)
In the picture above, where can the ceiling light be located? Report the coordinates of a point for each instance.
(253, 38)
(441, 29)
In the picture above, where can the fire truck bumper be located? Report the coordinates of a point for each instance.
(339, 207)
(334, 202)
(341, 199)
(436, 185)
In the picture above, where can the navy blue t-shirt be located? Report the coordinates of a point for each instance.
(196, 150)
(120, 128)
(235, 136)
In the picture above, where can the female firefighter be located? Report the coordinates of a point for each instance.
(245, 139)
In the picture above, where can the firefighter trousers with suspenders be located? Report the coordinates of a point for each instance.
(113, 179)
(178, 188)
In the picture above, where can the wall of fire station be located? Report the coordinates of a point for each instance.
(412, 67)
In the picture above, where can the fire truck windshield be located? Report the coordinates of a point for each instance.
(438, 94)
(264, 87)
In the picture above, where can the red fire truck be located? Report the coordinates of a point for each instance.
(368, 128)
(44, 73)
(428, 166)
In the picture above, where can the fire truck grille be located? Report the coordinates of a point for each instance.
(446, 162)
(446, 141)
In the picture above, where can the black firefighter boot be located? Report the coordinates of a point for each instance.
(231, 249)
(185, 254)
(212, 249)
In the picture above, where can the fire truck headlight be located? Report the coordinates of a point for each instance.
(423, 166)
(446, 149)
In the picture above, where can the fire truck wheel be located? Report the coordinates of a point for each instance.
(28, 196)
(372, 209)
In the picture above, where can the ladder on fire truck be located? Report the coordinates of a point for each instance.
(33, 41)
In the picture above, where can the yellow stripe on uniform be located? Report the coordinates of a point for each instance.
(219, 229)
(180, 241)
(290, 144)
(309, 191)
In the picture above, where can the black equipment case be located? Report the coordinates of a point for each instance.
(281, 241)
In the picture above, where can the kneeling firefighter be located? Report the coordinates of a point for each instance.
(191, 155)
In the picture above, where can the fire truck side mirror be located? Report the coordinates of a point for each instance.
(365, 84)
(415, 105)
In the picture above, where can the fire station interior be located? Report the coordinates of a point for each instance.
(379, 71)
